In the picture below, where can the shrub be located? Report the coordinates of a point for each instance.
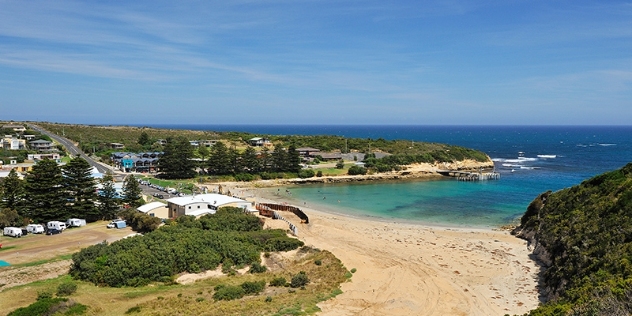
(256, 267)
(253, 287)
(319, 173)
(306, 173)
(353, 270)
(282, 244)
(299, 280)
(318, 262)
(268, 299)
(42, 295)
(340, 164)
(355, 170)
(244, 177)
(135, 309)
(280, 281)
(66, 289)
(51, 306)
(229, 293)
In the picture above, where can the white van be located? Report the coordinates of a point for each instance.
(75, 222)
(56, 225)
(35, 228)
(12, 231)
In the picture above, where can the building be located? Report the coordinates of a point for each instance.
(209, 142)
(259, 141)
(155, 209)
(42, 145)
(117, 146)
(16, 128)
(307, 152)
(136, 162)
(198, 205)
(10, 142)
(38, 157)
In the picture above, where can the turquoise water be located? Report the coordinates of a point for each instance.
(531, 160)
(4, 263)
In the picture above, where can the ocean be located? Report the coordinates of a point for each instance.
(531, 160)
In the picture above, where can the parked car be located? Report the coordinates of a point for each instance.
(53, 231)
(158, 195)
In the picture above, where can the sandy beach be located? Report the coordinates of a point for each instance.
(410, 269)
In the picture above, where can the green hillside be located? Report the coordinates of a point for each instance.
(583, 238)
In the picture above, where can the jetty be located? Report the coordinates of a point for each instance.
(470, 176)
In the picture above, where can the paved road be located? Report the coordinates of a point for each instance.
(72, 149)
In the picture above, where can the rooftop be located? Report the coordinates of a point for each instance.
(211, 198)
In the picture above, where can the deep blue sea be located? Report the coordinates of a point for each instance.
(531, 160)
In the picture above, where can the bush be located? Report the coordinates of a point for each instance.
(256, 267)
(253, 287)
(135, 309)
(282, 244)
(66, 289)
(319, 173)
(318, 262)
(42, 295)
(268, 299)
(340, 164)
(280, 281)
(306, 173)
(299, 280)
(355, 170)
(229, 293)
(244, 177)
(353, 270)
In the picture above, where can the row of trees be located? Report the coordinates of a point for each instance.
(50, 192)
(177, 160)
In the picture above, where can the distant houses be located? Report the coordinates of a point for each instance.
(259, 141)
(11, 142)
(15, 128)
(136, 162)
(42, 145)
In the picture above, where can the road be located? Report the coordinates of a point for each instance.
(72, 149)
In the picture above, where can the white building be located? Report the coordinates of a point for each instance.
(156, 209)
(198, 205)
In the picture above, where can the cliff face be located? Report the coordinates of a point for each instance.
(582, 236)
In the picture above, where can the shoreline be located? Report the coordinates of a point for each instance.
(416, 269)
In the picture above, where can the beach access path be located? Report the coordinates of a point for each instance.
(410, 269)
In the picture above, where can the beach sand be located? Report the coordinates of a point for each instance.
(410, 269)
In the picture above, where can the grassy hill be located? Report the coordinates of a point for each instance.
(583, 238)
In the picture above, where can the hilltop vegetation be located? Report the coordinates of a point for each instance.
(583, 237)
(98, 138)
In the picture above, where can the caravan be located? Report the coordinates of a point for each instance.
(56, 225)
(75, 222)
(12, 231)
(35, 228)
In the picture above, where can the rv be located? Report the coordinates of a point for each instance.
(56, 225)
(35, 228)
(75, 222)
(12, 231)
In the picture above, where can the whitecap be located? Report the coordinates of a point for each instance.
(547, 156)
(605, 145)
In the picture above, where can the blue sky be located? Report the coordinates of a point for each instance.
(317, 62)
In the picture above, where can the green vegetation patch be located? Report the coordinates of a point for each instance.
(584, 234)
(51, 306)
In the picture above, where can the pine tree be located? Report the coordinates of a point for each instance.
(203, 152)
(132, 192)
(109, 203)
(279, 159)
(293, 159)
(45, 195)
(80, 186)
(176, 161)
(12, 193)
(219, 162)
(249, 161)
(235, 161)
(144, 140)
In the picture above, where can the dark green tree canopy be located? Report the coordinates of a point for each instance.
(132, 192)
(12, 192)
(80, 187)
(46, 196)
(144, 140)
(109, 203)
(177, 159)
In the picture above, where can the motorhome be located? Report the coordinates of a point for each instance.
(75, 222)
(12, 231)
(56, 225)
(35, 228)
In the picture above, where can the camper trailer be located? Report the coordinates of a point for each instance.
(56, 225)
(12, 231)
(35, 228)
(75, 222)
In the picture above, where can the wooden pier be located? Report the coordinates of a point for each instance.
(470, 176)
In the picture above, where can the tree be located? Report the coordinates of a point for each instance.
(80, 187)
(12, 192)
(219, 161)
(109, 203)
(279, 159)
(293, 159)
(144, 140)
(235, 161)
(9, 217)
(249, 161)
(203, 152)
(132, 192)
(176, 161)
(340, 164)
(47, 199)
